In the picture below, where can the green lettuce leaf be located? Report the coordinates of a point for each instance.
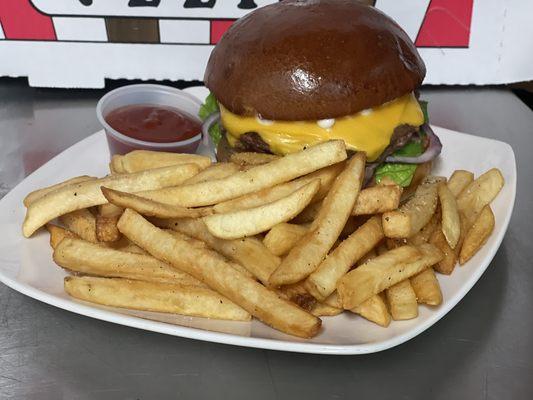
(401, 173)
(424, 107)
(209, 107)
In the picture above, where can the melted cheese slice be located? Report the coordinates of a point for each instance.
(369, 130)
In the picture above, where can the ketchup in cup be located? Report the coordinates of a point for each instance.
(150, 117)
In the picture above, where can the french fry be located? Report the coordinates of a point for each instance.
(198, 244)
(152, 208)
(451, 224)
(414, 214)
(249, 222)
(37, 194)
(262, 176)
(305, 257)
(368, 256)
(298, 294)
(142, 160)
(402, 301)
(92, 259)
(447, 264)
(375, 310)
(424, 234)
(259, 301)
(115, 166)
(323, 281)
(386, 270)
(213, 172)
(248, 158)
(57, 234)
(480, 193)
(151, 296)
(249, 252)
(88, 194)
(324, 310)
(106, 222)
(459, 180)
(372, 200)
(283, 237)
(427, 287)
(477, 235)
(82, 223)
(309, 214)
(326, 176)
(377, 200)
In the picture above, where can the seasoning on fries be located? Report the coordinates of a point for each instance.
(216, 232)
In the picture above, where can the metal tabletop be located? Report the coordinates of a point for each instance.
(483, 349)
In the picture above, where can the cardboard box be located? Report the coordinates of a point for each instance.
(79, 43)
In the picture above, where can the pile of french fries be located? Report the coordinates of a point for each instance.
(283, 239)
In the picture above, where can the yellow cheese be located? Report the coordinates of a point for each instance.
(369, 131)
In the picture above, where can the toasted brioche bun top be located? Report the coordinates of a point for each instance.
(312, 59)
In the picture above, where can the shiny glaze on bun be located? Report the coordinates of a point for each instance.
(311, 60)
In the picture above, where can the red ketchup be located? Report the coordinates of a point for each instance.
(152, 123)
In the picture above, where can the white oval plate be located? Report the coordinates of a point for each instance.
(26, 264)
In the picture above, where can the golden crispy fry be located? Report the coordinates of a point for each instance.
(305, 257)
(477, 235)
(213, 172)
(402, 301)
(221, 277)
(309, 214)
(152, 208)
(384, 271)
(106, 222)
(115, 166)
(249, 222)
(368, 256)
(249, 252)
(82, 223)
(37, 194)
(88, 194)
(377, 200)
(246, 158)
(414, 214)
(142, 160)
(333, 300)
(451, 223)
(427, 287)
(92, 259)
(324, 310)
(298, 294)
(480, 193)
(278, 171)
(283, 237)
(198, 244)
(372, 200)
(57, 234)
(151, 296)
(459, 180)
(123, 244)
(375, 310)
(323, 281)
(325, 175)
(424, 234)
(447, 264)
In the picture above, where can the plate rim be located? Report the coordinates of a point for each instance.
(258, 342)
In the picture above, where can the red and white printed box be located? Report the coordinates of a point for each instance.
(79, 43)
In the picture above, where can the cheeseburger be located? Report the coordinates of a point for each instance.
(299, 72)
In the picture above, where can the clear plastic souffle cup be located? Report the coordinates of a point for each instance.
(148, 94)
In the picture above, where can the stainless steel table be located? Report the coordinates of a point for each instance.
(483, 349)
